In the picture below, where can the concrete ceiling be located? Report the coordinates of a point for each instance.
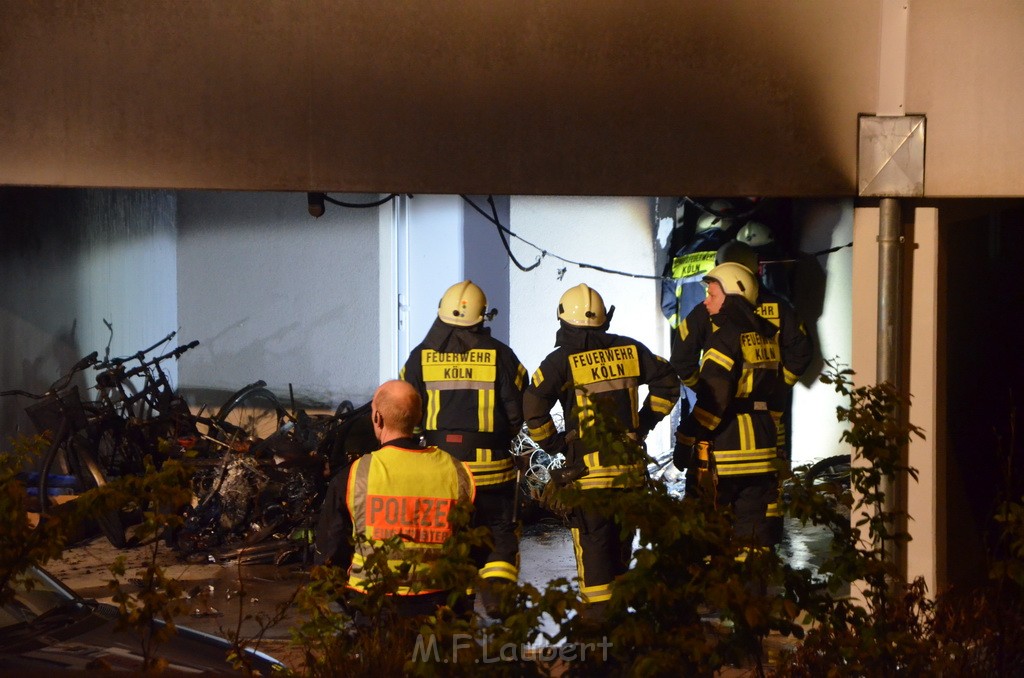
(656, 97)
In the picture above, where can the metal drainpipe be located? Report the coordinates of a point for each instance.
(890, 257)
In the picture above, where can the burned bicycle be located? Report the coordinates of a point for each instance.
(259, 501)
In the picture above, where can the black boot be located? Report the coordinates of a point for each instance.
(492, 593)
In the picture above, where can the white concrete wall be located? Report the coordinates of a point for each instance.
(616, 233)
(274, 294)
(823, 297)
(619, 233)
(926, 551)
(68, 260)
(430, 259)
(442, 240)
(485, 259)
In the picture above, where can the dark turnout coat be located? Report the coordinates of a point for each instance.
(591, 365)
(472, 390)
(739, 381)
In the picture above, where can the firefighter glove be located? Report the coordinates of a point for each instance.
(705, 471)
(566, 475)
(682, 453)
(558, 445)
(551, 500)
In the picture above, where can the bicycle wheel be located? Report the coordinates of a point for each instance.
(55, 472)
(91, 476)
(834, 469)
(831, 476)
(118, 456)
(253, 414)
(83, 465)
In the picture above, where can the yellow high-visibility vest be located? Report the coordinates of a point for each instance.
(409, 493)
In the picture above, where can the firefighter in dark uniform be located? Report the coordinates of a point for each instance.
(739, 380)
(591, 368)
(402, 489)
(795, 352)
(681, 286)
(472, 390)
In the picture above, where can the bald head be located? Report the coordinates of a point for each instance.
(399, 408)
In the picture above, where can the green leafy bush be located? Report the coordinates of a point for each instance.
(896, 627)
(23, 543)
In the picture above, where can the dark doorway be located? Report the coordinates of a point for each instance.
(982, 259)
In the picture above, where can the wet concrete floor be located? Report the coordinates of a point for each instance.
(229, 599)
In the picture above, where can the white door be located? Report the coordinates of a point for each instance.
(428, 259)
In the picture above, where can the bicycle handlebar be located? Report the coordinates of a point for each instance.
(60, 384)
(181, 349)
(87, 361)
(117, 373)
(176, 353)
(114, 362)
(145, 365)
(23, 393)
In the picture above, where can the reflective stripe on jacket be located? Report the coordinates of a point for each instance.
(612, 371)
(472, 402)
(682, 288)
(409, 493)
(694, 333)
(739, 379)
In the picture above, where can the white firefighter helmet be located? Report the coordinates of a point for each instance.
(711, 219)
(582, 306)
(755, 234)
(739, 252)
(463, 305)
(734, 279)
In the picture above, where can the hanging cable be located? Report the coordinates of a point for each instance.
(544, 253)
(806, 255)
(721, 214)
(502, 230)
(375, 203)
(504, 240)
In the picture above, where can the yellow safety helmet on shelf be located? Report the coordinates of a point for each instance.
(463, 304)
(582, 306)
(734, 279)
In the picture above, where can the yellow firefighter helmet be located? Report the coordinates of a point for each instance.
(734, 279)
(463, 305)
(582, 306)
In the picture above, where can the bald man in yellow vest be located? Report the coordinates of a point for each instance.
(402, 489)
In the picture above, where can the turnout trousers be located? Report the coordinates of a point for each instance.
(494, 506)
(601, 553)
(748, 496)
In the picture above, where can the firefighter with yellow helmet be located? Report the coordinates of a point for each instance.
(739, 380)
(795, 350)
(594, 369)
(472, 387)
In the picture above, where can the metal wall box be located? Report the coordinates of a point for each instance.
(890, 156)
